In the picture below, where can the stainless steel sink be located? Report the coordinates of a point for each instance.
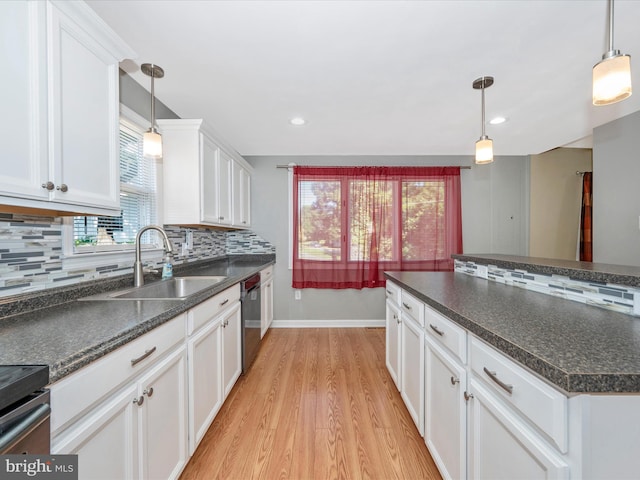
(177, 288)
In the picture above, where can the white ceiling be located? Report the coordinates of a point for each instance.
(379, 77)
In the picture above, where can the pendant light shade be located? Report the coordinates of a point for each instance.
(152, 140)
(612, 75)
(484, 146)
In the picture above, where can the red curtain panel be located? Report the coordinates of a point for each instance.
(352, 223)
(586, 252)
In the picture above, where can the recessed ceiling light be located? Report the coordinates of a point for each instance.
(497, 120)
(297, 121)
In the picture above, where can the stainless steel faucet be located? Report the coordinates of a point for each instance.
(138, 269)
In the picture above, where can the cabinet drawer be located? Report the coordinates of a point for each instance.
(266, 274)
(393, 292)
(201, 314)
(412, 306)
(74, 394)
(539, 403)
(447, 333)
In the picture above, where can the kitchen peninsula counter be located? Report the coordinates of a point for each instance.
(70, 334)
(578, 348)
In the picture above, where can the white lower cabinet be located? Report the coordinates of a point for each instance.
(231, 348)
(163, 418)
(107, 442)
(412, 369)
(141, 433)
(266, 300)
(445, 411)
(502, 446)
(393, 338)
(205, 385)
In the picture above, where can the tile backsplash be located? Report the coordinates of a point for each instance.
(31, 252)
(619, 298)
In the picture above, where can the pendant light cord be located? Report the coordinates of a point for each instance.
(153, 103)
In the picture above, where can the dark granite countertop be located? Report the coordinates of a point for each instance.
(70, 335)
(574, 346)
(586, 271)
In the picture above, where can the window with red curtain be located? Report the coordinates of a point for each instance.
(352, 223)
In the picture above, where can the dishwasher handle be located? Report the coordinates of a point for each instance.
(24, 427)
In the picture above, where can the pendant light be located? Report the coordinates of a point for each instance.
(152, 140)
(484, 146)
(612, 75)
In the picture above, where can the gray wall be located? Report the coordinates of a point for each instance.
(138, 99)
(491, 196)
(616, 191)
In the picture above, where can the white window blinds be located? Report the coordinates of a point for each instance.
(137, 202)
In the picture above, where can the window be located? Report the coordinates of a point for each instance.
(137, 201)
(352, 223)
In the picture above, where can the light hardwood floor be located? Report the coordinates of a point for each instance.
(316, 404)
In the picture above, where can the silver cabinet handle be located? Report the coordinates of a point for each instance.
(493, 376)
(468, 396)
(226, 300)
(220, 218)
(408, 307)
(436, 329)
(135, 361)
(454, 380)
(139, 401)
(148, 392)
(63, 188)
(49, 186)
(389, 292)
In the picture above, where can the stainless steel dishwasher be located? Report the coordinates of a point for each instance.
(251, 316)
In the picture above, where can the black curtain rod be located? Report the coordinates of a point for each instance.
(462, 167)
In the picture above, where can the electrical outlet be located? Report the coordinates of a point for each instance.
(189, 239)
(298, 294)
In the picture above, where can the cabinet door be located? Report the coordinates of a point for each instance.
(224, 189)
(205, 380)
(163, 418)
(392, 351)
(210, 159)
(502, 447)
(84, 115)
(241, 196)
(23, 124)
(267, 306)
(231, 348)
(412, 369)
(445, 411)
(106, 442)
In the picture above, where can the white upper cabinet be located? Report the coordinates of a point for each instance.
(60, 128)
(199, 185)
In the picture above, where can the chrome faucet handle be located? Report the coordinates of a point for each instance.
(149, 269)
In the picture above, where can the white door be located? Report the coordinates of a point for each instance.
(231, 348)
(224, 189)
(209, 156)
(392, 351)
(23, 96)
(84, 116)
(501, 446)
(106, 442)
(163, 418)
(445, 411)
(205, 377)
(412, 369)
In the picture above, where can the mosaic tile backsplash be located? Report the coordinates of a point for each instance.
(31, 253)
(613, 297)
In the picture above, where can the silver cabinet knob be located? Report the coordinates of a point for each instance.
(49, 186)
(63, 188)
(468, 396)
(148, 392)
(139, 401)
(454, 380)
(220, 218)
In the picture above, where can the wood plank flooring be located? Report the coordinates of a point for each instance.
(316, 404)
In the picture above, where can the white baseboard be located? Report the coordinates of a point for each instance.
(379, 323)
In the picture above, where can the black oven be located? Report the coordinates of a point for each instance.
(24, 410)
